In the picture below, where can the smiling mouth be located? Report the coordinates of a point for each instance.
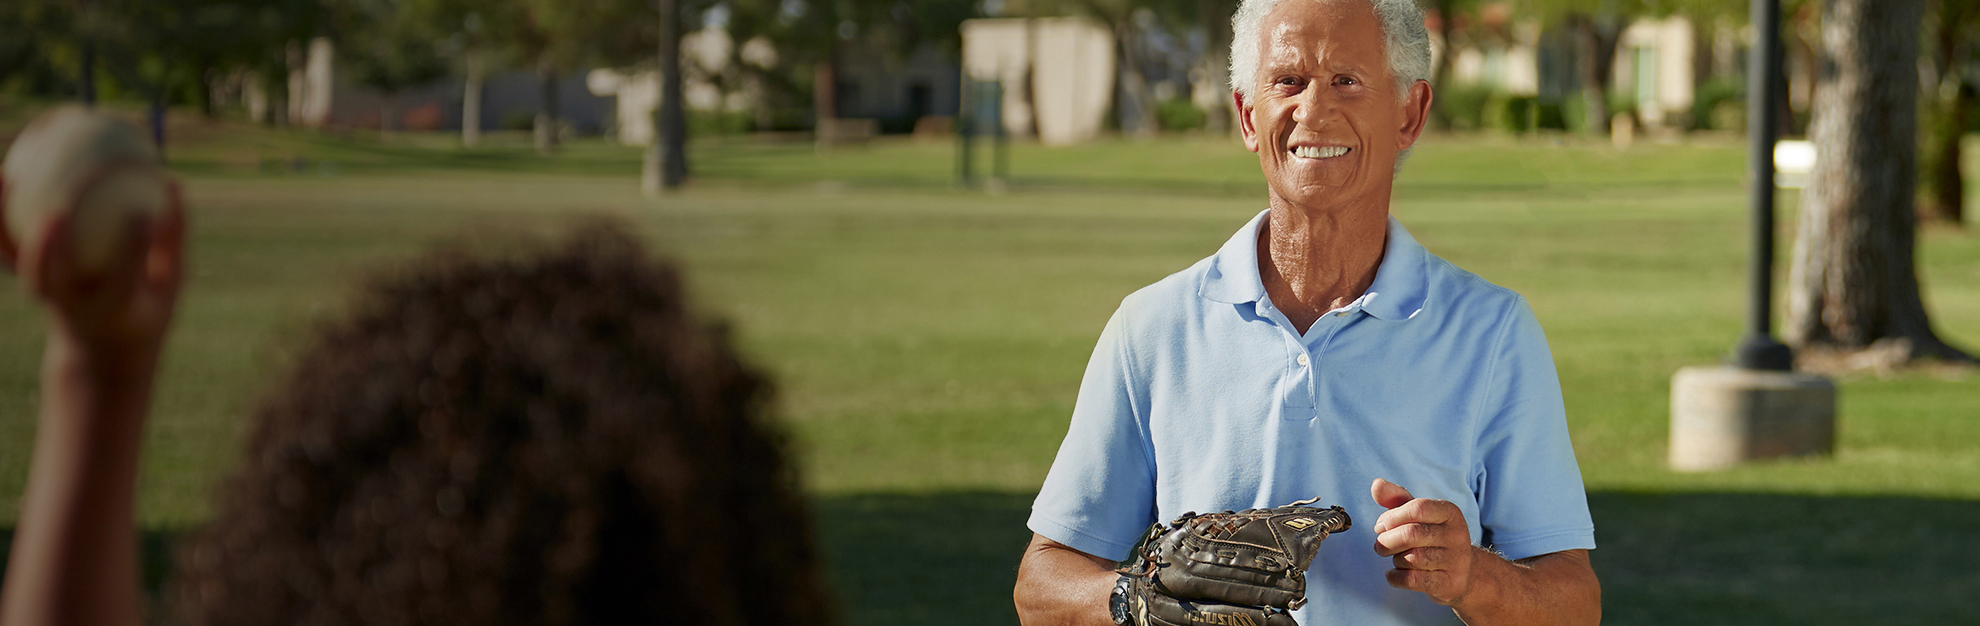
(1319, 152)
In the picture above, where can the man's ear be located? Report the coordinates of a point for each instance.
(1244, 121)
(1415, 114)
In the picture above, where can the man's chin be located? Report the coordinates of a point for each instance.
(1323, 197)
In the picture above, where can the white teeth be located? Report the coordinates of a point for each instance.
(1317, 152)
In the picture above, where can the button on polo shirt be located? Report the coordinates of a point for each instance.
(1200, 396)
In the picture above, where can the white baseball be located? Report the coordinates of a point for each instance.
(74, 159)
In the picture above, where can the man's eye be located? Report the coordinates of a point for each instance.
(1347, 80)
(1288, 81)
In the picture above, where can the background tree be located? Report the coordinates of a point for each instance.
(666, 164)
(1952, 46)
(33, 33)
(472, 43)
(1447, 13)
(807, 35)
(385, 47)
(813, 37)
(1214, 16)
(1598, 26)
(1854, 283)
(1133, 23)
(156, 49)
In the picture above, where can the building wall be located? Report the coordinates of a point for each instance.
(1058, 73)
(1654, 63)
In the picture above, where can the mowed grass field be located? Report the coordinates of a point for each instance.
(928, 341)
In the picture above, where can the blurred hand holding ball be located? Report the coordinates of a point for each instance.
(99, 170)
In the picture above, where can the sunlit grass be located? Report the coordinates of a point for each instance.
(927, 341)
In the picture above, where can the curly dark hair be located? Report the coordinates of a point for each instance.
(540, 438)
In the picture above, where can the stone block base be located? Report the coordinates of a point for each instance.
(1724, 416)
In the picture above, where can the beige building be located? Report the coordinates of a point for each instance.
(1057, 74)
(704, 53)
(1513, 67)
(1654, 64)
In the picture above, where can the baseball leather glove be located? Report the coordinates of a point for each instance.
(1244, 568)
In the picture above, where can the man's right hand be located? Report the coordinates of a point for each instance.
(1060, 586)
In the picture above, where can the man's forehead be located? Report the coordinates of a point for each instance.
(1338, 28)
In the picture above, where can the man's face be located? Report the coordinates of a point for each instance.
(1324, 116)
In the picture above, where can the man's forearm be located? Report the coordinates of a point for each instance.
(1558, 589)
(1060, 586)
(75, 553)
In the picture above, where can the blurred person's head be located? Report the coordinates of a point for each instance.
(545, 437)
(1331, 93)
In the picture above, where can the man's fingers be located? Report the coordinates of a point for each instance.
(164, 265)
(10, 253)
(1406, 537)
(49, 265)
(1418, 511)
(1387, 494)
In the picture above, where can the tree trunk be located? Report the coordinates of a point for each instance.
(86, 81)
(546, 111)
(1599, 37)
(156, 115)
(1442, 77)
(471, 101)
(666, 159)
(825, 89)
(1703, 63)
(1948, 197)
(1137, 106)
(1216, 19)
(1949, 99)
(209, 81)
(388, 122)
(1854, 285)
(1030, 80)
(297, 84)
(254, 94)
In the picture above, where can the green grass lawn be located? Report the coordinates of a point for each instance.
(928, 341)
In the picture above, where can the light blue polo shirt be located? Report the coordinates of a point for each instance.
(1201, 397)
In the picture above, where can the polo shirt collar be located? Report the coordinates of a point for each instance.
(1397, 294)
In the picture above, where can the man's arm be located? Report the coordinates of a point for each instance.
(1430, 544)
(1060, 586)
(1556, 588)
(75, 553)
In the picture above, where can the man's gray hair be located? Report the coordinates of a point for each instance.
(1406, 41)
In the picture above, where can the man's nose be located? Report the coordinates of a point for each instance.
(1315, 106)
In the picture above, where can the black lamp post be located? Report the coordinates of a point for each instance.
(1758, 350)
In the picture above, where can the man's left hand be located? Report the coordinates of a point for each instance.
(1428, 540)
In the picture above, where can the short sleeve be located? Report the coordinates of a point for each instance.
(1530, 496)
(1100, 494)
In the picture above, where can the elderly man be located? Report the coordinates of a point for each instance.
(1322, 351)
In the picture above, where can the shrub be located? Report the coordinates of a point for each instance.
(1179, 114)
(1719, 105)
(1553, 115)
(719, 122)
(1463, 105)
(1515, 113)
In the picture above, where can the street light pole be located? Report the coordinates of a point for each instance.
(1758, 350)
(1756, 407)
